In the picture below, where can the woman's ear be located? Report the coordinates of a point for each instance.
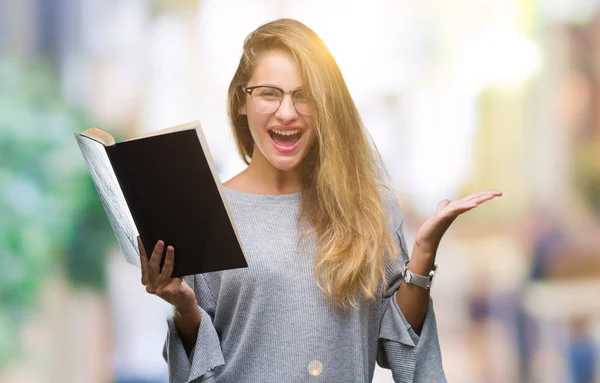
(242, 110)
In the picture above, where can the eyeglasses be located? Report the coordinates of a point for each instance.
(267, 99)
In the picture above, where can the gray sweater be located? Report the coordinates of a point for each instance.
(271, 323)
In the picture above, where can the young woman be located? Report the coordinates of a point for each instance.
(329, 289)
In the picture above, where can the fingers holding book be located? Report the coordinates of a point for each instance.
(150, 267)
(167, 269)
(159, 282)
(154, 267)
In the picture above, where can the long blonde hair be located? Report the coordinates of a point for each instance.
(342, 172)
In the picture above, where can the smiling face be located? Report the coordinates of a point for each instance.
(282, 137)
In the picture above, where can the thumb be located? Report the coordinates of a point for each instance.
(442, 204)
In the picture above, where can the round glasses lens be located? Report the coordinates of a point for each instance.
(301, 102)
(265, 99)
(303, 107)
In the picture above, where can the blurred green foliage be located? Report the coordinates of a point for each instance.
(51, 219)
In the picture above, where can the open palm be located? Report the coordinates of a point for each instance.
(431, 232)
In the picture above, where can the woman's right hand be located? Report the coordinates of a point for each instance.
(172, 290)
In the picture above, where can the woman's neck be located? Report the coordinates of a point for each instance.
(261, 177)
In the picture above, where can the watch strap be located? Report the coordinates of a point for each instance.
(416, 279)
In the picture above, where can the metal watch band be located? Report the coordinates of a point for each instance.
(418, 280)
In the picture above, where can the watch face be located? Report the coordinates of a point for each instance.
(432, 275)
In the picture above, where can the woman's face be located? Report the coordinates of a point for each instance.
(283, 136)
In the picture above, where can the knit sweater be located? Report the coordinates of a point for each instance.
(270, 322)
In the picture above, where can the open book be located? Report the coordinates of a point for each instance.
(164, 186)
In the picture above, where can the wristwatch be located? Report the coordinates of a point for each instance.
(418, 280)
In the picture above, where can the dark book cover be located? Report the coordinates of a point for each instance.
(165, 187)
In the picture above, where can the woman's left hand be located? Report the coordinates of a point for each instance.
(431, 232)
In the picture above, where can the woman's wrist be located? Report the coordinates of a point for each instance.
(186, 309)
(422, 260)
(187, 322)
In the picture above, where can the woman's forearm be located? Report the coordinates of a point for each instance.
(414, 300)
(187, 322)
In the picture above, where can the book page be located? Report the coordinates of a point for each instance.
(100, 136)
(173, 129)
(113, 201)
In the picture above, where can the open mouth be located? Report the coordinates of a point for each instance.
(285, 138)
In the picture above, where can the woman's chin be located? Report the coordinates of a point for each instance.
(285, 163)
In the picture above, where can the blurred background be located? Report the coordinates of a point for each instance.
(459, 96)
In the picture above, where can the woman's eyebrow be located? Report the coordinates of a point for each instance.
(277, 86)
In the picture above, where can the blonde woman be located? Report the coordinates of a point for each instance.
(329, 290)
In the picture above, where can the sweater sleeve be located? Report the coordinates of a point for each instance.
(411, 357)
(206, 354)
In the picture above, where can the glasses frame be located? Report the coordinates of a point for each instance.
(292, 93)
